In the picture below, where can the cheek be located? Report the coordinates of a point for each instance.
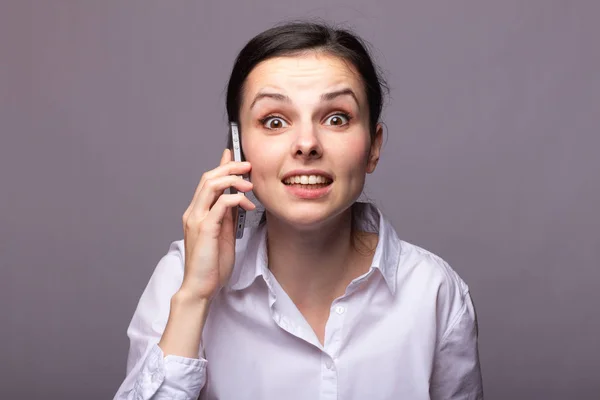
(353, 156)
(264, 157)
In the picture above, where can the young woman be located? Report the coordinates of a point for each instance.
(322, 300)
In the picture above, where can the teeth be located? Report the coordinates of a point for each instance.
(307, 179)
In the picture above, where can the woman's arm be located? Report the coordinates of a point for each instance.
(167, 326)
(175, 371)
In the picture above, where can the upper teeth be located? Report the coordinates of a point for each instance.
(306, 179)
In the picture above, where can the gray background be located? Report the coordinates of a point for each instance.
(111, 110)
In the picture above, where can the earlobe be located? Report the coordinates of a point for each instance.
(372, 164)
(375, 149)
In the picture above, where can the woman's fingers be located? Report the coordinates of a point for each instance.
(226, 167)
(229, 168)
(213, 188)
(225, 157)
(216, 217)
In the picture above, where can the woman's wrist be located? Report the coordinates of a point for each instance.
(188, 297)
(183, 332)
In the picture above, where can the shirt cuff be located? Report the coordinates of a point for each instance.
(170, 377)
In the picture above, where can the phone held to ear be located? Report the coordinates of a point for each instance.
(235, 145)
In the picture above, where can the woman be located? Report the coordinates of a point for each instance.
(321, 300)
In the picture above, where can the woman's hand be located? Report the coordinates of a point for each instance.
(208, 226)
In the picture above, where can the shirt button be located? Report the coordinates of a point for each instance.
(329, 364)
(340, 310)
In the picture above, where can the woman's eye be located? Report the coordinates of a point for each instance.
(273, 123)
(338, 119)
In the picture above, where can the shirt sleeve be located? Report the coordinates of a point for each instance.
(457, 373)
(149, 374)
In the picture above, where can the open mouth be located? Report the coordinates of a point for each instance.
(307, 181)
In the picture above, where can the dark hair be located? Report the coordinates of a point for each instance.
(298, 37)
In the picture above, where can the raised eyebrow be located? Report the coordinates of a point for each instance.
(275, 96)
(324, 97)
(342, 92)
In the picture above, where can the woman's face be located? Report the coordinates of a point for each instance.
(305, 118)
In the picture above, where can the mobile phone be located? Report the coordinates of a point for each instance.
(235, 145)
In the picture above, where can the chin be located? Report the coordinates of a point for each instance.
(307, 215)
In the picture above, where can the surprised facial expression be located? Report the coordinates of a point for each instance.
(305, 130)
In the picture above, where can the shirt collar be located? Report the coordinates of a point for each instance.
(387, 253)
(252, 260)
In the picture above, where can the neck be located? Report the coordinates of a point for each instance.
(313, 266)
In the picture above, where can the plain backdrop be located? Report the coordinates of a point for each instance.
(110, 111)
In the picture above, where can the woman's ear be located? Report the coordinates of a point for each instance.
(375, 149)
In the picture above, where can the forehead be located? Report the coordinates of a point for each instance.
(310, 73)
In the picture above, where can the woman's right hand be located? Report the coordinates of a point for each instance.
(208, 226)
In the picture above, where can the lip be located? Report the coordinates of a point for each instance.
(308, 194)
(307, 172)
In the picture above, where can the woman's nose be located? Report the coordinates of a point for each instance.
(307, 143)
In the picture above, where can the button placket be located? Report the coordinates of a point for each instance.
(329, 371)
(329, 383)
(330, 366)
(334, 325)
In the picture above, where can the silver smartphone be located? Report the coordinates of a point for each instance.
(235, 145)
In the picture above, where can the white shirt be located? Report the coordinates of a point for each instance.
(406, 329)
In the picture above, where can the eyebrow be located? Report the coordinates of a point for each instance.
(324, 97)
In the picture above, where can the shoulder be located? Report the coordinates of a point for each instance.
(415, 259)
(406, 265)
(414, 273)
(433, 282)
